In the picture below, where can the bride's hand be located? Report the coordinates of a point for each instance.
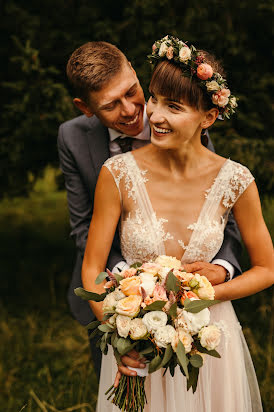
(215, 273)
(132, 359)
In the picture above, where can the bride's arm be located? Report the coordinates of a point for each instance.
(106, 214)
(248, 215)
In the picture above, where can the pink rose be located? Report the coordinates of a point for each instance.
(152, 268)
(221, 98)
(204, 71)
(154, 47)
(159, 293)
(127, 273)
(169, 53)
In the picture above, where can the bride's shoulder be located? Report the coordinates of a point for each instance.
(238, 168)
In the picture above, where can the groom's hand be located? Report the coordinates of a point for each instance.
(215, 273)
(132, 359)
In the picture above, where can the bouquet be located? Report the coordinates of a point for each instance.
(162, 312)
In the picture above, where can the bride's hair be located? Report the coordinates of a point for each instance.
(168, 80)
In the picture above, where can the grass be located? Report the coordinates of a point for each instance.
(44, 353)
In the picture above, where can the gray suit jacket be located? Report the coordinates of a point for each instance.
(83, 146)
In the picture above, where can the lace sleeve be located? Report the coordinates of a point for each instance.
(239, 179)
(115, 166)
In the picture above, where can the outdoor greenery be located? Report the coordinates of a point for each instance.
(44, 353)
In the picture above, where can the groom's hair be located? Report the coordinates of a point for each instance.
(92, 65)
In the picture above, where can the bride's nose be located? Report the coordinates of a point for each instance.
(156, 115)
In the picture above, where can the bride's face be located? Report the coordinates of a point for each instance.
(173, 123)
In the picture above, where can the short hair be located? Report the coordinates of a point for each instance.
(92, 65)
(168, 80)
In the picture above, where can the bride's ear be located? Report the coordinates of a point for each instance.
(210, 117)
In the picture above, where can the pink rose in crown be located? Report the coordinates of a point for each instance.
(221, 98)
(169, 53)
(204, 71)
(154, 47)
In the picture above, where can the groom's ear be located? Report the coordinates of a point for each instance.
(81, 105)
(210, 117)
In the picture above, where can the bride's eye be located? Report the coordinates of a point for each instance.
(174, 106)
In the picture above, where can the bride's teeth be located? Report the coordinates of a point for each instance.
(159, 130)
(132, 121)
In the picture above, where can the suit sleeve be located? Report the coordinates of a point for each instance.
(80, 202)
(231, 248)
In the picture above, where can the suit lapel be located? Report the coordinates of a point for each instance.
(98, 143)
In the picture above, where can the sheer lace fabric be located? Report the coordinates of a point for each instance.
(191, 228)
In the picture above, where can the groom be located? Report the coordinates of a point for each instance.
(114, 121)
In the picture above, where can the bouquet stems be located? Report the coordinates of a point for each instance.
(130, 394)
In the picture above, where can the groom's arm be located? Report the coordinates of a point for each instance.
(80, 202)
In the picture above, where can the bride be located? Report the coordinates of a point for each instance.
(173, 197)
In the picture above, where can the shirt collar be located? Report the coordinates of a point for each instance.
(144, 135)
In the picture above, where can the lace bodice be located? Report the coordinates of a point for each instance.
(146, 232)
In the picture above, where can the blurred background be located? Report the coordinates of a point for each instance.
(44, 353)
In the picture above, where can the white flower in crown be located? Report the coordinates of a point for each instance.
(233, 102)
(164, 335)
(184, 54)
(163, 49)
(212, 86)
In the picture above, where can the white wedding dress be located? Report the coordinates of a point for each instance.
(155, 222)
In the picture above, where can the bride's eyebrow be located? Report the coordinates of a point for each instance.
(174, 101)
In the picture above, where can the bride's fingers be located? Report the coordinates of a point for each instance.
(125, 371)
(136, 355)
(117, 379)
(134, 363)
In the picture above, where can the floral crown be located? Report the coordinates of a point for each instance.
(193, 64)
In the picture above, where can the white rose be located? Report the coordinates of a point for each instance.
(163, 272)
(210, 337)
(168, 261)
(118, 294)
(138, 329)
(193, 322)
(123, 325)
(233, 102)
(184, 337)
(148, 282)
(111, 300)
(163, 49)
(212, 86)
(112, 320)
(164, 335)
(184, 54)
(155, 320)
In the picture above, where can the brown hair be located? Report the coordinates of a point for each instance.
(169, 80)
(92, 65)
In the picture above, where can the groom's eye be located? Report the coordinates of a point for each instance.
(131, 92)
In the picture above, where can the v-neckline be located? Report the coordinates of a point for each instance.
(208, 191)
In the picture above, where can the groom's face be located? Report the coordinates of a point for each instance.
(120, 104)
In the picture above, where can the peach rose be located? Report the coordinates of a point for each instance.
(131, 285)
(129, 306)
(169, 53)
(210, 337)
(190, 295)
(204, 71)
(152, 268)
(127, 273)
(184, 277)
(184, 337)
(221, 98)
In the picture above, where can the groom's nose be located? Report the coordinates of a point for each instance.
(127, 108)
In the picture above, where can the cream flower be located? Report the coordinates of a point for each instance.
(169, 53)
(210, 337)
(112, 320)
(184, 337)
(129, 306)
(192, 322)
(168, 261)
(163, 49)
(184, 277)
(150, 267)
(131, 285)
(233, 102)
(212, 86)
(123, 325)
(184, 54)
(138, 329)
(148, 282)
(127, 273)
(205, 290)
(111, 300)
(155, 320)
(164, 335)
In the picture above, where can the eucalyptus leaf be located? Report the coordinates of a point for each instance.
(155, 364)
(193, 379)
(105, 327)
(136, 265)
(208, 352)
(93, 325)
(103, 342)
(117, 357)
(167, 356)
(196, 361)
(118, 278)
(195, 306)
(172, 283)
(101, 277)
(181, 355)
(158, 305)
(114, 339)
(125, 345)
(146, 351)
(84, 294)
(173, 310)
(93, 333)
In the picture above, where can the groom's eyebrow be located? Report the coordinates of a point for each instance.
(105, 105)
